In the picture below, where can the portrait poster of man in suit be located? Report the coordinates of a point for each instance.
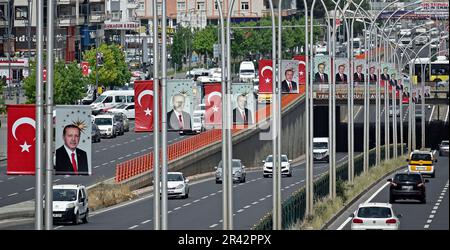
(289, 85)
(372, 75)
(320, 77)
(322, 72)
(73, 140)
(358, 75)
(341, 76)
(242, 115)
(181, 95)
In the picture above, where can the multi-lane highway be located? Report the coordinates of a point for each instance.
(430, 113)
(105, 156)
(433, 215)
(203, 209)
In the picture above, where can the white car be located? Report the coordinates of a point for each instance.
(320, 149)
(375, 216)
(106, 125)
(70, 203)
(177, 185)
(285, 166)
(124, 108)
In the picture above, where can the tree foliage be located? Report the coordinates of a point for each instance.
(204, 40)
(112, 70)
(180, 45)
(69, 83)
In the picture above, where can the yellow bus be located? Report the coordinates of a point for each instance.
(439, 70)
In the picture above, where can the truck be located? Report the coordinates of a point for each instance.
(247, 71)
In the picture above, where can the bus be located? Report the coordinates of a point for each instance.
(439, 69)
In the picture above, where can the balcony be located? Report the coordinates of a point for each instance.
(132, 4)
(97, 17)
(69, 20)
(61, 2)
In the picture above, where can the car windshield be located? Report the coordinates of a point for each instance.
(421, 157)
(64, 194)
(407, 177)
(236, 164)
(283, 158)
(444, 143)
(374, 212)
(103, 121)
(174, 177)
(320, 145)
(100, 99)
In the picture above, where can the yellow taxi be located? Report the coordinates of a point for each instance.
(422, 161)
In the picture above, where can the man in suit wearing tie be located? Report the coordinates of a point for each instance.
(394, 83)
(321, 77)
(241, 114)
(358, 76)
(71, 160)
(372, 75)
(385, 75)
(341, 77)
(177, 119)
(289, 86)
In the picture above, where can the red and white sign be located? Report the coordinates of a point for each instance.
(121, 26)
(143, 99)
(301, 68)
(85, 68)
(265, 76)
(213, 104)
(21, 139)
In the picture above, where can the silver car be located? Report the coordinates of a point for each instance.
(239, 172)
(443, 148)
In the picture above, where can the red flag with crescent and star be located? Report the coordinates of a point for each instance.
(301, 68)
(143, 99)
(265, 76)
(85, 68)
(21, 139)
(213, 104)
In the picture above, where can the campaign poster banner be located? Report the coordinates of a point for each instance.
(73, 128)
(342, 71)
(243, 105)
(289, 76)
(359, 75)
(180, 104)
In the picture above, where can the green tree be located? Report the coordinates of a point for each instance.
(113, 70)
(204, 40)
(180, 45)
(69, 83)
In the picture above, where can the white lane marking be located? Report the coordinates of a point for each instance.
(145, 222)
(433, 211)
(56, 180)
(297, 182)
(254, 203)
(128, 155)
(240, 210)
(104, 164)
(132, 227)
(247, 206)
(96, 166)
(9, 195)
(10, 178)
(440, 200)
(431, 216)
(133, 140)
(118, 144)
(212, 194)
(196, 201)
(240, 184)
(220, 221)
(426, 226)
(28, 189)
(1, 181)
(67, 176)
(135, 153)
(435, 207)
(357, 112)
(112, 161)
(187, 204)
(446, 115)
(145, 136)
(96, 151)
(120, 158)
(429, 221)
(262, 199)
(234, 186)
(112, 146)
(143, 150)
(213, 225)
(371, 197)
(139, 138)
(287, 187)
(58, 227)
(431, 116)
(104, 149)
(169, 212)
(268, 196)
(177, 208)
(204, 197)
(125, 142)
(437, 204)
(220, 191)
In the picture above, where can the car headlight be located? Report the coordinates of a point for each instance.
(180, 186)
(70, 205)
(109, 129)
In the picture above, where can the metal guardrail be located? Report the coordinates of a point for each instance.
(294, 207)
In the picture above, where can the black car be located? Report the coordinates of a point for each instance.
(95, 133)
(407, 186)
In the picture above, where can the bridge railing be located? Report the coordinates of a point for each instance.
(294, 207)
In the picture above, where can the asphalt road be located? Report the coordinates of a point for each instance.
(203, 209)
(359, 116)
(105, 156)
(434, 215)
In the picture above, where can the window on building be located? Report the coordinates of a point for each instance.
(181, 5)
(21, 12)
(245, 6)
(215, 5)
(116, 15)
(3, 12)
(200, 6)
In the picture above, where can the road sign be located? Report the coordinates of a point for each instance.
(216, 50)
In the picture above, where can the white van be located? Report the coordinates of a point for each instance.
(70, 203)
(320, 149)
(246, 71)
(111, 98)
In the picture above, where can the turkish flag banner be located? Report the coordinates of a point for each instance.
(44, 74)
(265, 76)
(21, 139)
(85, 68)
(301, 68)
(143, 99)
(213, 104)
